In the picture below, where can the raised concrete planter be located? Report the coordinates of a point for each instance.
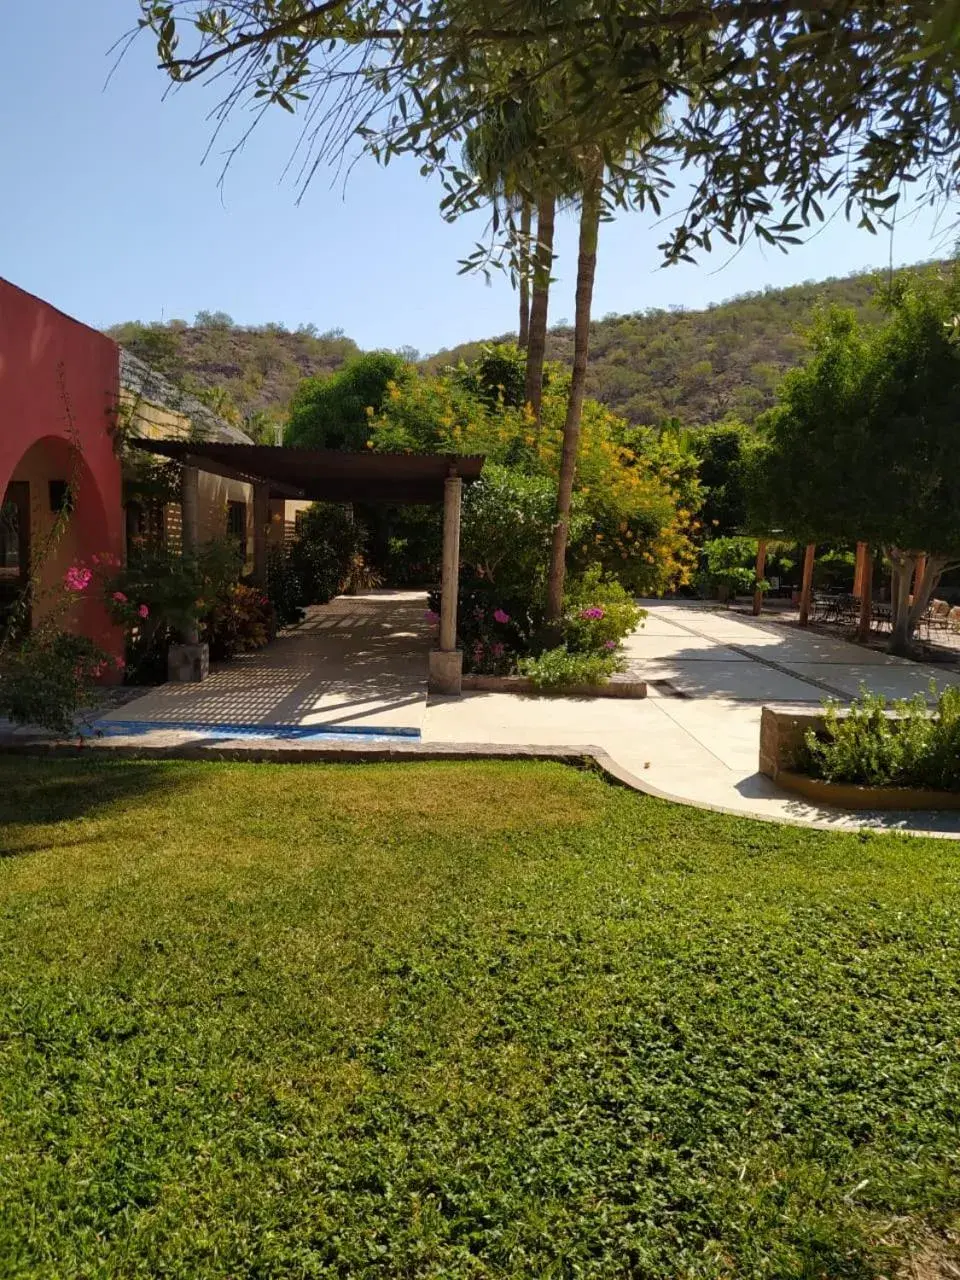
(188, 663)
(619, 686)
(847, 795)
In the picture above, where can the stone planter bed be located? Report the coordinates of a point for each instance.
(849, 795)
(618, 686)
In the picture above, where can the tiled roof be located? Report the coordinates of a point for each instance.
(151, 387)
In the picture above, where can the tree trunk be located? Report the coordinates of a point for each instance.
(901, 575)
(586, 269)
(927, 582)
(524, 266)
(542, 268)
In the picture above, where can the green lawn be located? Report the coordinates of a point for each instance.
(463, 1021)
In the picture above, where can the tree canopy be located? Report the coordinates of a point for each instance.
(863, 443)
(774, 105)
(334, 412)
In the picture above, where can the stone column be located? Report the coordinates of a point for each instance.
(190, 661)
(806, 590)
(760, 570)
(446, 663)
(261, 524)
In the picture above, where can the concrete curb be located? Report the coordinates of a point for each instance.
(584, 757)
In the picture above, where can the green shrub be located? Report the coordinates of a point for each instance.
(559, 668)
(284, 587)
(327, 557)
(730, 563)
(880, 744)
(50, 680)
(599, 613)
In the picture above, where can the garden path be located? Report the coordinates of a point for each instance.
(355, 672)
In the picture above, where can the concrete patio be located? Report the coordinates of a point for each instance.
(355, 672)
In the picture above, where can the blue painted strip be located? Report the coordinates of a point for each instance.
(285, 732)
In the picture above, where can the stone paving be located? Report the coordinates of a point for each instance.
(355, 672)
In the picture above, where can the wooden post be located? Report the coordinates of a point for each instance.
(866, 595)
(860, 572)
(446, 663)
(761, 568)
(806, 589)
(261, 524)
(190, 525)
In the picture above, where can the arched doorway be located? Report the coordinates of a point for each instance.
(53, 516)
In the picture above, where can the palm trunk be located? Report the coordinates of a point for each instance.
(542, 268)
(526, 215)
(586, 270)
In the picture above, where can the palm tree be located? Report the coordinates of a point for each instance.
(590, 165)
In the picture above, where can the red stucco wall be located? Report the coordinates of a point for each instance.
(54, 371)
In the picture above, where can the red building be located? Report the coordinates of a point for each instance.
(58, 408)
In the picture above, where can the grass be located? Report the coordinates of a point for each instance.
(486, 1020)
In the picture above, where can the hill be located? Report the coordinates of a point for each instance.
(698, 366)
(245, 373)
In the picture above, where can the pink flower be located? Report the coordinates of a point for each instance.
(497, 650)
(120, 597)
(430, 616)
(77, 578)
(500, 616)
(610, 644)
(593, 612)
(119, 663)
(143, 611)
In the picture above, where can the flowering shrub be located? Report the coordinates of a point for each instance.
(240, 622)
(558, 668)
(600, 613)
(49, 680)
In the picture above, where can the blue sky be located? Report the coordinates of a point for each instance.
(109, 214)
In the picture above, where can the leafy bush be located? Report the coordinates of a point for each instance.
(240, 622)
(558, 668)
(730, 563)
(494, 627)
(880, 744)
(600, 613)
(177, 591)
(283, 587)
(49, 680)
(327, 556)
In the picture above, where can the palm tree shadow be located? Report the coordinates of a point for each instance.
(44, 792)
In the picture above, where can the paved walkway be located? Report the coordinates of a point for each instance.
(695, 738)
(358, 666)
(358, 663)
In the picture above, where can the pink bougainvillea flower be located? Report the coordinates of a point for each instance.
(610, 644)
(120, 597)
(143, 611)
(497, 650)
(77, 578)
(500, 616)
(119, 663)
(430, 616)
(593, 612)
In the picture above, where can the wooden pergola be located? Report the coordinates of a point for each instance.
(862, 583)
(327, 475)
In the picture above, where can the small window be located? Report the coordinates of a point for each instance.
(237, 523)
